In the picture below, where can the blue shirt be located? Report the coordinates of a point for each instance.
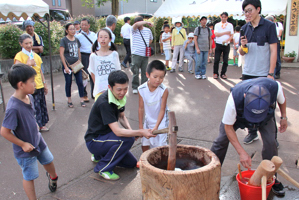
(20, 118)
(112, 34)
(85, 43)
(257, 60)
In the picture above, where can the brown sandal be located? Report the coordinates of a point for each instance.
(223, 76)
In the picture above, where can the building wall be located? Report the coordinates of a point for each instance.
(77, 9)
(56, 4)
(291, 42)
(132, 6)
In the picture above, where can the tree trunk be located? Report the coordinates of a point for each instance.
(115, 7)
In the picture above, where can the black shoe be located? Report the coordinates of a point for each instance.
(277, 144)
(277, 76)
(250, 138)
(124, 65)
(277, 188)
(52, 183)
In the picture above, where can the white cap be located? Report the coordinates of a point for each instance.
(191, 35)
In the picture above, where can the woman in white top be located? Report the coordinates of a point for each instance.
(103, 60)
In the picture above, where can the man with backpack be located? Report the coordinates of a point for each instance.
(203, 45)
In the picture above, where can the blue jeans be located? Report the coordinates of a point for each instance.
(68, 82)
(29, 165)
(201, 62)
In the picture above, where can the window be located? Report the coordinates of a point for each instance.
(153, 1)
(53, 2)
(59, 3)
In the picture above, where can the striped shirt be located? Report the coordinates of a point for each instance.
(137, 44)
(166, 44)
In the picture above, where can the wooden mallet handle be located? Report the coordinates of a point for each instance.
(264, 188)
(172, 136)
(264, 169)
(287, 177)
(165, 130)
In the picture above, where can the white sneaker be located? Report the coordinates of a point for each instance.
(135, 91)
(203, 77)
(198, 76)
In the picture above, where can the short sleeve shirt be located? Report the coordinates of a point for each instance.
(166, 44)
(101, 115)
(137, 44)
(203, 38)
(23, 58)
(220, 28)
(190, 50)
(71, 48)
(257, 60)
(85, 43)
(230, 113)
(20, 118)
(101, 67)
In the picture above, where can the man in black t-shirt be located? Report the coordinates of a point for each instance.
(109, 143)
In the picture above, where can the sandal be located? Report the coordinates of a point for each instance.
(83, 104)
(70, 104)
(215, 76)
(223, 76)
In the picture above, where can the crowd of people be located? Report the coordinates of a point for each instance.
(251, 103)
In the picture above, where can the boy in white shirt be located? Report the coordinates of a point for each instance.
(153, 109)
(236, 39)
(166, 37)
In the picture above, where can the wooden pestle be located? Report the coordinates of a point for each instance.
(264, 169)
(277, 161)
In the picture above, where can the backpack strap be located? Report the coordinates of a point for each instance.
(182, 35)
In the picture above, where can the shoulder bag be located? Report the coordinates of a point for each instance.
(149, 51)
(77, 66)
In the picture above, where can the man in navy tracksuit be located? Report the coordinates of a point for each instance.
(251, 104)
(109, 143)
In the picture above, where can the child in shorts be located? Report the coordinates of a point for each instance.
(236, 40)
(166, 37)
(19, 127)
(153, 109)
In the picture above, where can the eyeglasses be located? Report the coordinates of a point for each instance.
(249, 11)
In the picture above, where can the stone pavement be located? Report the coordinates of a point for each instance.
(198, 104)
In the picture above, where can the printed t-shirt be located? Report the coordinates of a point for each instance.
(101, 66)
(70, 49)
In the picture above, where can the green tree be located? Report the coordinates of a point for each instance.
(99, 3)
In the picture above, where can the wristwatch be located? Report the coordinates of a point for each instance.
(286, 118)
(271, 74)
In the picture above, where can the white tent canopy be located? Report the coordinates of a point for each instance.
(22, 8)
(195, 8)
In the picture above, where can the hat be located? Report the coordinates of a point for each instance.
(224, 13)
(256, 103)
(191, 35)
(203, 17)
(76, 22)
(27, 23)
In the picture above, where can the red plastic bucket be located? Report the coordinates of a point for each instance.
(248, 192)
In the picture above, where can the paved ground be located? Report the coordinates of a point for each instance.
(199, 105)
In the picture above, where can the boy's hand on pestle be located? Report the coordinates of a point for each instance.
(245, 160)
(147, 133)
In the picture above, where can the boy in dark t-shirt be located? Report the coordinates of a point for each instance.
(19, 127)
